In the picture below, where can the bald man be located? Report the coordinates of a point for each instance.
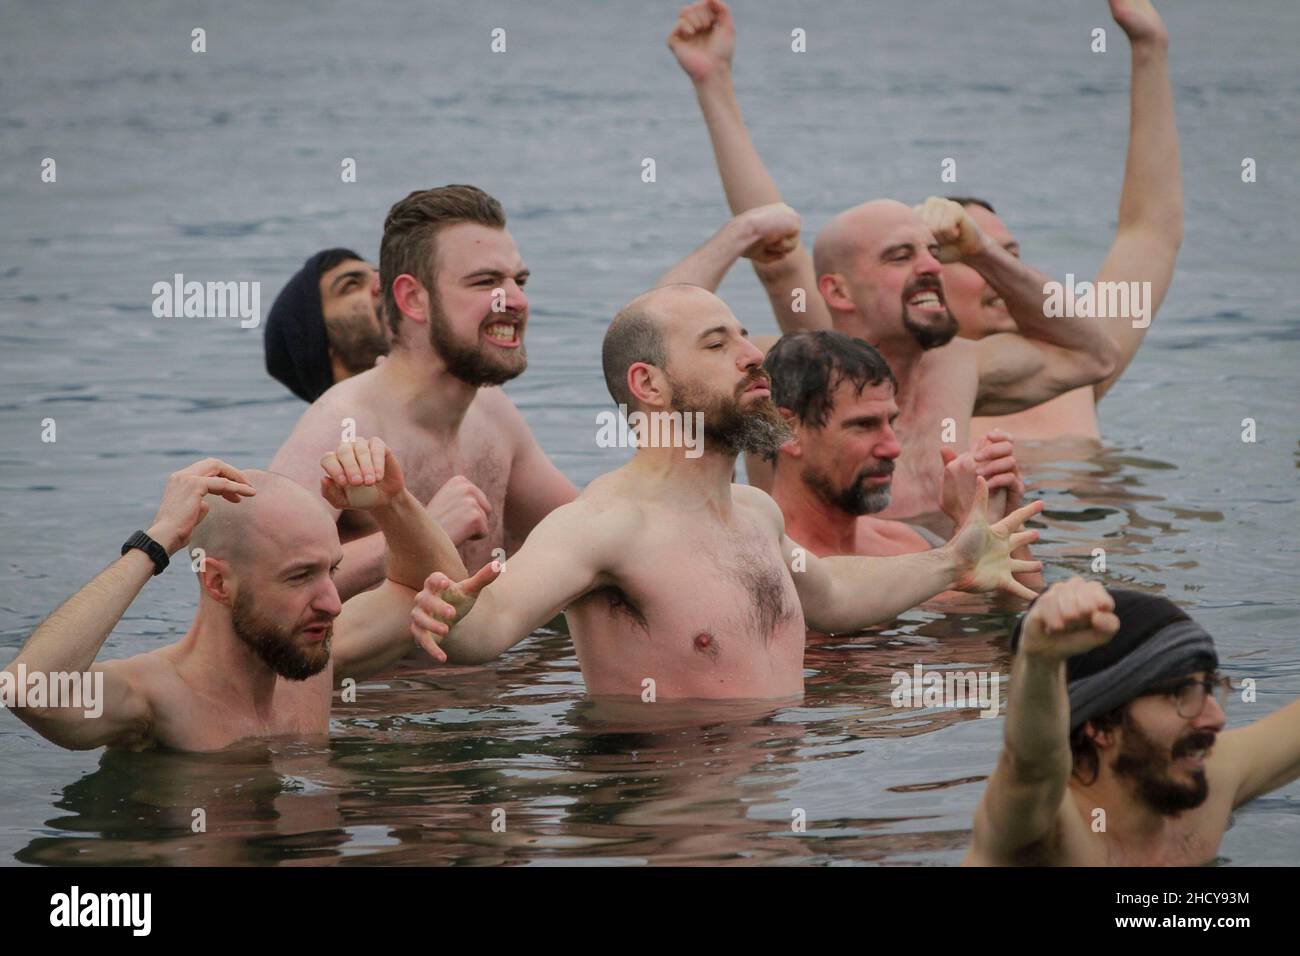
(270, 638)
(875, 274)
(676, 582)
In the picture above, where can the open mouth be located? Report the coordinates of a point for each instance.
(317, 632)
(927, 300)
(504, 332)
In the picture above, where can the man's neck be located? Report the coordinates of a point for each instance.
(705, 479)
(903, 352)
(810, 520)
(214, 659)
(417, 381)
(1131, 826)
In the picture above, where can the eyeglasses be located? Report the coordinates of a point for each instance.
(1190, 695)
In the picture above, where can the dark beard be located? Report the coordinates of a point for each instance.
(729, 430)
(274, 644)
(356, 341)
(473, 365)
(929, 336)
(1145, 763)
(856, 499)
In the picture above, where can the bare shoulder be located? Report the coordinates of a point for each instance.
(319, 427)
(759, 503)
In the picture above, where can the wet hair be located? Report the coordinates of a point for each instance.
(972, 201)
(633, 336)
(807, 367)
(1085, 754)
(409, 246)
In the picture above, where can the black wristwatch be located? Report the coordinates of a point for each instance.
(150, 547)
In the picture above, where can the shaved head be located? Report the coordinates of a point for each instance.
(843, 238)
(239, 533)
(637, 333)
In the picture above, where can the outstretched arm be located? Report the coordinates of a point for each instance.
(1022, 805)
(567, 555)
(373, 630)
(703, 40)
(1151, 202)
(848, 593)
(69, 640)
(1262, 756)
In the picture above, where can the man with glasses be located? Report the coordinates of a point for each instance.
(1115, 752)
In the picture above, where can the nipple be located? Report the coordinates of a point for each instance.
(705, 644)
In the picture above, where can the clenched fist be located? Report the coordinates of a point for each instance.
(361, 475)
(953, 228)
(1071, 618)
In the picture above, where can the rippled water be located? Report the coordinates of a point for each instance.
(225, 166)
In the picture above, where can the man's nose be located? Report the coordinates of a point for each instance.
(516, 301)
(750, 357)
(927, 264)
(328, 601)
(1212, 716)
(888, 448)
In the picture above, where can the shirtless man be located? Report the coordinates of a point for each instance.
(669, 572)
(1146, 242)
(326, 324)
(453, 285)
(835, 473)
(877, 269)
(1115, 717)
(270, 639)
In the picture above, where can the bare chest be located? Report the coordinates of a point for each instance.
(199, 722)
(697, 612)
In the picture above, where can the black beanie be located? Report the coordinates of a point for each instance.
(1156, 642)
(297, 348)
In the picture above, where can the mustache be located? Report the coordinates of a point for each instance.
(932, 283)
(759, 378)
(883, 470)
(1200, 740)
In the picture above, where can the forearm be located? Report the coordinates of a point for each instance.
(1026, 291)
(745, 179)
(362, 567)
(1037, 732)
(708, 265)
(415, 544)
(865, 591)
(1152, 195)
(483, 634)
(70, 639)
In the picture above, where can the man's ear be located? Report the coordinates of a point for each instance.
(1102, 739)
(215, 580)
(835, 291)
(648, 384)
(793, 445)
(411, 297)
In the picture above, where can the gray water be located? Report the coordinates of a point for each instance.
(225, 166)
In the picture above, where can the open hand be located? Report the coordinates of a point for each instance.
(183, 505)
(983, 551)
(443, 602)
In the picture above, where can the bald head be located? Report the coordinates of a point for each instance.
(638, 332)
(843, 238)
(241, 532)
